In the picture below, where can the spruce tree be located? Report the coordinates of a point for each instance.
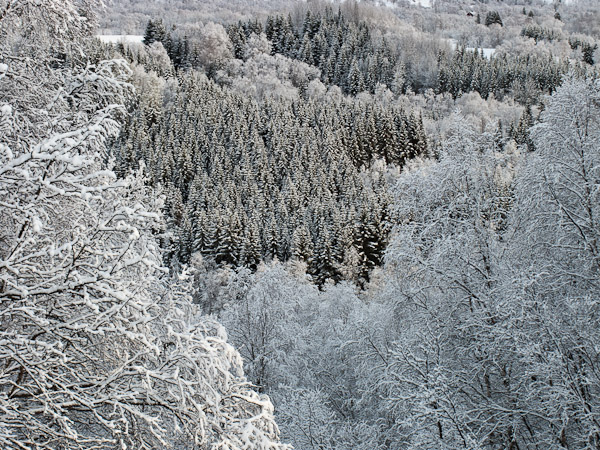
(493, 17)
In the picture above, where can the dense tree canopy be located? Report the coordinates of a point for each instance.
(252, 180)
(482, 330)
(398, 230)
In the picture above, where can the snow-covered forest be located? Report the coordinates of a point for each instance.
(313, 225)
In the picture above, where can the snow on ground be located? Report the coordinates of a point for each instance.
(387, 4)
(392, 5)
(114, 38)
(423, 3)
(487, 52)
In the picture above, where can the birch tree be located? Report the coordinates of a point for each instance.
(99, 348)
(558, 207)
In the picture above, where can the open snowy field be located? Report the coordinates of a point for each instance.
(114, 38)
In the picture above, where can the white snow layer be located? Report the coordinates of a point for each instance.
(114, 38)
